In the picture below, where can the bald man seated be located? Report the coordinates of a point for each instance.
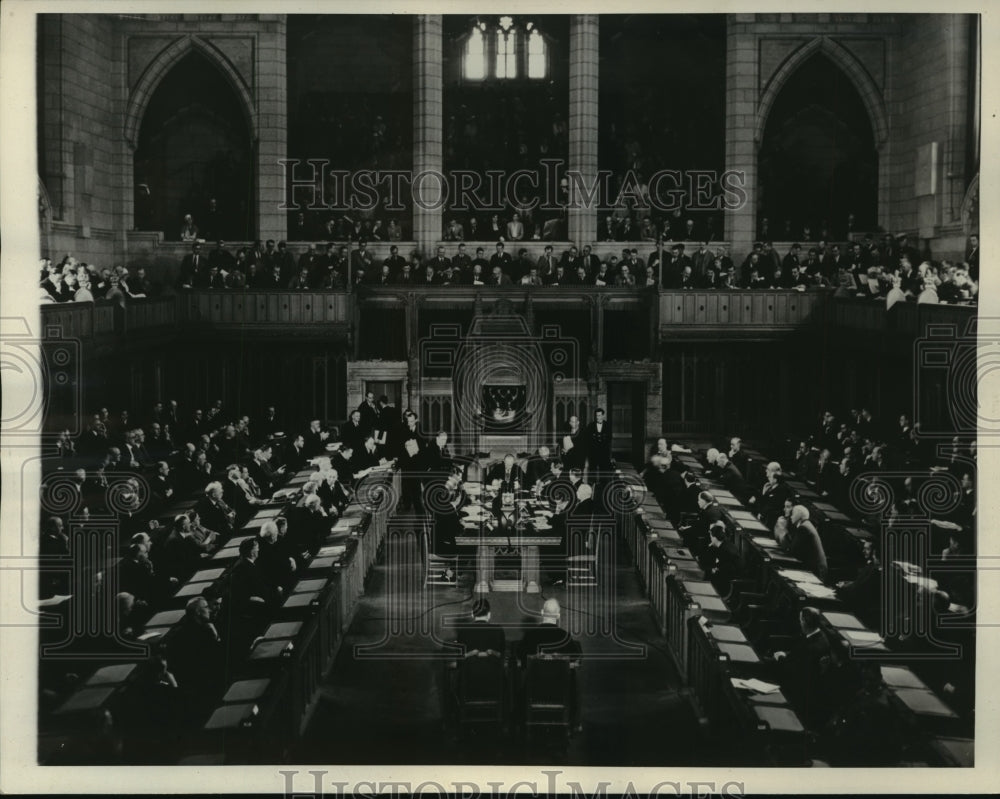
(548, 638)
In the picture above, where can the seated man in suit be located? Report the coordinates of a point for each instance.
(721, 560)
(309, 526)
(239, 496)
(769, 501)
(332, 493)
(250, 590)
(507, 475)
(547, 637)
(198, 657)
(666, 485)
(276, 560)
(806, 670)
(709, 512)
(537, 466)
(731, 477)
(737, 456)
(315, 439)
(446, 522)
(863, 594)
(295, 455)
(214, 513)
(265, 475)
(481, 636)
(555, 485)
(804, 542)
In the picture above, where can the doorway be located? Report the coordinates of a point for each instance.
(627, 413)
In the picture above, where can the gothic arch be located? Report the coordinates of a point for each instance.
(161, 65)
(851, 67)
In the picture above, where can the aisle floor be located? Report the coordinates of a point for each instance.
(382, 703)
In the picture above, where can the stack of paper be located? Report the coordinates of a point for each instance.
(799, 576)
(754, 684)
(818, 591)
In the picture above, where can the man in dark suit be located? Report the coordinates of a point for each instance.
(667, 485)
(599, 444)
(498, 277)
(721, 560)
(446, 523)
(769, 502)
(481, 636)
(249, 589)
(193, 267)
(501, 259)
(315, 439)
(437, 456)
(537, 465)
(214, 513)
(440, 262)
(547, 637)
(804, 668)
(731, 477)
(369, 411)
(509, 475)
(198, 657)
(295, 455)
(737, 456)
(355, 431)
(546, 264)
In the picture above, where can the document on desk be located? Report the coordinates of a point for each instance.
(799, 576)
(758, 686)
(768, 543)
(818, 591)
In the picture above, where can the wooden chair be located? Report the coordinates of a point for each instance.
(548, 693)
(435, 565)
(481, 690)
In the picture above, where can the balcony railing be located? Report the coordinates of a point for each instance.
(689, 313)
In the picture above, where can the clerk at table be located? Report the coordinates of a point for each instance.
(509, 474)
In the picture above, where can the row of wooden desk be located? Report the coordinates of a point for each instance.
(710, 651)
(267, 707)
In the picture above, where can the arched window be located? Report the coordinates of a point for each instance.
(537, 66)
(506, 49)
(475, 53)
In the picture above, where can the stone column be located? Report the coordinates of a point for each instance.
(428, 130)
(584, 55)
(741, 115)
(272, 126)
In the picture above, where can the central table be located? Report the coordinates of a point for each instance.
(518, 528)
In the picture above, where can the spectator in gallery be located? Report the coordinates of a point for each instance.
(532, 278)
(394, 232)
(928, 294)
(972, 257)
(189, 230)
(498, 277)
(515, 228)
(625, 278)
(495, 229)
